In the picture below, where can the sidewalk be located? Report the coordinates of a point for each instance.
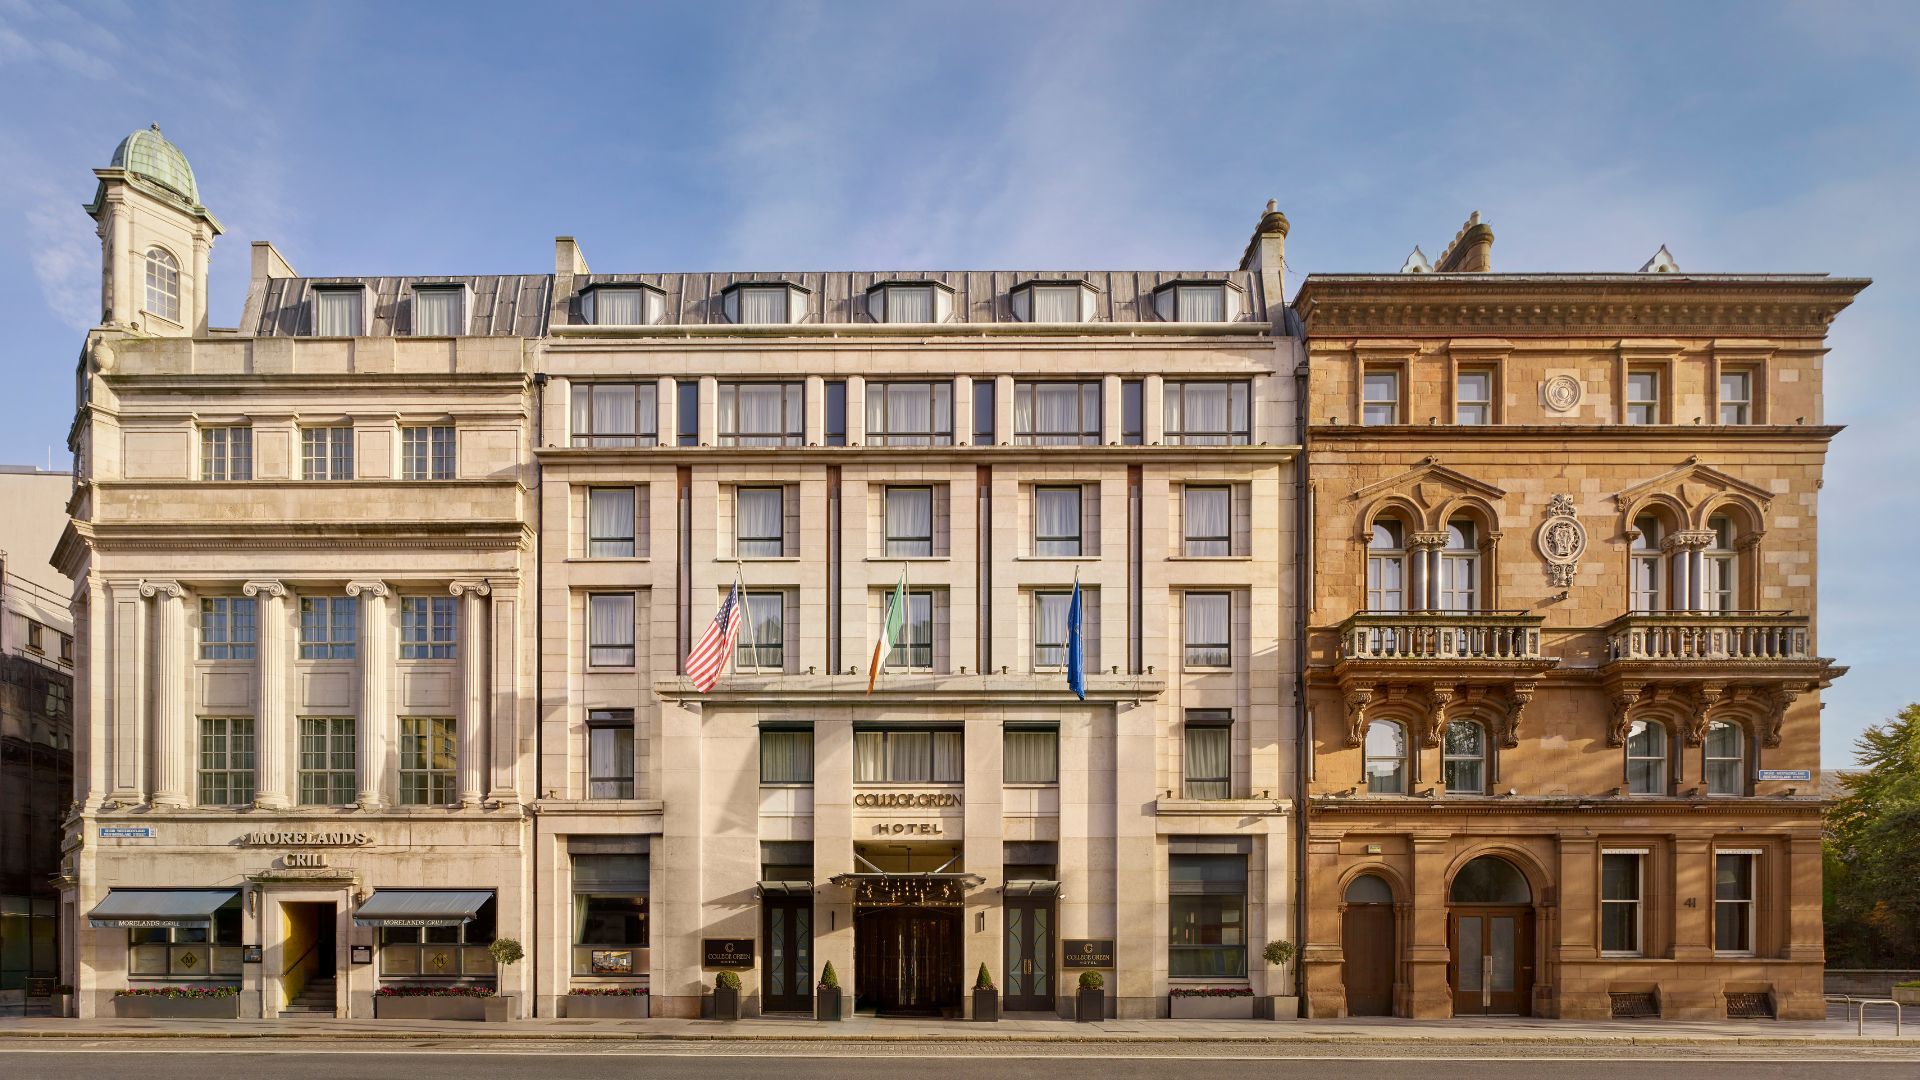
(1382, 1031)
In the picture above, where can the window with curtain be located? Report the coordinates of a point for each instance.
(616, 415)
(1056, 413)
(762, 639)
(762, 414)
(1733, 902)
(610, 894)
(1050, 628)
(1726, 759)
(329, 627)
(1473, 397)
(1207, 414)
(229, 626)
(1207, 912)
(909, 522)
(760, 523)
(1736, 397)
(163, 285)
(427, 760)
(226, 453)
(908, 756)
(337, 312)
(326, 453)
(610, 630)
(1208, 759)
(439, 312)
(1643, 396)
(910, 414)
(1387, 567)
(1030, 755)
(1460, 568)
(1380, 396)
(619, 307)
(786, 755)
(427, 627)
(1209, 636)
(1200, 303)
(762, 305)
(914, 650)
(1386, 758)
(226, 760)
(326, 760)
(1647, 582)
(1463, 755)
(426, 452)
(610, 523)
(1056, 303)
(610, 754)
(908, 304)
(1206, 515)
(1646, 758)
(1620, 887)
(1718, 590)
(1056, 520)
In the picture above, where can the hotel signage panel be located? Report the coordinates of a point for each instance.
(907, 800)
(1086, 953)
(726, 953)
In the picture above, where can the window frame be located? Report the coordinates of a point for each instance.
(228, 646)
(1179, 290)
(1379, 559)
(1394, 406)
(613, 654)
(1646, 560)
(429, 452)
(742, 291)
(1051, 775)
(1462, 403)
(1638, 902)
(1745, 403)
(326, 779)
(741, 540)
(888, 539)
(1663, 759)
(888, 290)
(1041, 597)
(358, 294)
(652, 302)
(1482, 760)
(1645, 411)
(462, 317)
(1195, 894)
(1187, 537)
(1751, 902)
(1205, 649)
(920, 654)
(1400, 765)
(1175, 409)
(933, 757)
(163, 283)
(631, 541)
(1739, 760)
(748, 648)
(226, 453)
(237, 754)
(1211, 721)
(326, 452)
(421, 638)
(441, 733)
(800, 732)
(793, 408)
(324, 613)
(646, 416)
(1087, 408)
(1453, 560)
(1078, 539)
(880, 429)
(1720, 569)
(600, 757)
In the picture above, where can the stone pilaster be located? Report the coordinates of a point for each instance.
(475, 713)
(375, 716)
(272, 738)
(172, 754)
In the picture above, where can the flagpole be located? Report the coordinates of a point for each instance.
(746, 612)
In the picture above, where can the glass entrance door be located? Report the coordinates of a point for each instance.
(1029, 978)
(788, 932)
(1492, 966)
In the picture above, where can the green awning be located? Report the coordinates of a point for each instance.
(421, 907)
(134, 908)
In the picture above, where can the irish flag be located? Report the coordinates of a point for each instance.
(889, 628)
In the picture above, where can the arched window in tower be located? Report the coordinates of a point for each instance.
(1645, 574)
(1387, 567)
(1460, 568)
(163, 285)
(1718, 591)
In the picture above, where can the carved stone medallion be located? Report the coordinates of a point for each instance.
(1561, 540)
(1561, 393)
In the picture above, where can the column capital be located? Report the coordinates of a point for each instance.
(371, 588)
(465, 585)
(264, 585)
(151, 587)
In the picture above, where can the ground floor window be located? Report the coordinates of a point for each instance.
(187, 952)
(1733, 890)
(609, 915)
(440, 952)
(1207, 937)
(1620, 890)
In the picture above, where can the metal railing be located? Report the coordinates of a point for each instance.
(1740, 636)
(1441, 635)
(1859, 1006)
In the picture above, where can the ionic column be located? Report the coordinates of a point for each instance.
(1682, 589)
(370, 743)
(271, 739)
(172, 756)
(474, 713)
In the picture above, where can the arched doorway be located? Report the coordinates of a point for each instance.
(1366, 941)
(1490, 932)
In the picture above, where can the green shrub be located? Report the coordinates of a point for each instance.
(983, 981)
(726, 980)
(829, 979)
(506, 951)
(1092, 980)
(1279, 952)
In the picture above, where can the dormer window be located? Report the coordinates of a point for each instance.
(439, 310)
(622, 305)
(339, 310)
(1053, 301)
(765, 303)
(1197, 301)
(910, 302)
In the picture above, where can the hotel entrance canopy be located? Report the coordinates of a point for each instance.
(421, 907)
(908, 890)
(135, 908)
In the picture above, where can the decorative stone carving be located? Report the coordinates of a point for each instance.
(150, 588)
(1705, 697)
(1439, 699)
(1561, 393)
(1692, 538)
(1519, 696)
(463, 586)
(1561, 540)
(371, 588)
(1359, 696)
(1779, 699)
(269, 587)
(1623, 700)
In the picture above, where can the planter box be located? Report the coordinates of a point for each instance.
(726, 1004)
(1279, 1007)
(601, 1007)
(1089, 1006)
(986, 1006)
(429, 1008)
(826, 1003)
(500, 1008)
(164, 1008)
(1181, 1007)
(1907, 995)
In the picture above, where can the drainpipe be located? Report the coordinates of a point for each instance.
(539, 637)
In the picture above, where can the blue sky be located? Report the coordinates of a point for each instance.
(461, 138)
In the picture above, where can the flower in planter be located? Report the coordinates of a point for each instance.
(1092, 980)
(608, 991)
(400, 990)
(983, 981)
(829, 980)
(1211, 991)
(178, 991)
(726, 980)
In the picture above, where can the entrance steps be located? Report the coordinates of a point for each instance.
(316, 999)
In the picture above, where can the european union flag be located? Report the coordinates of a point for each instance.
(1076, 646)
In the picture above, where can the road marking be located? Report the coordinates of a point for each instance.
(1028, 1056)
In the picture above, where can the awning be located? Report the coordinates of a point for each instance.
(421, 907)
(1030, 887)
(135, 908)
(909, 890)
(786, 888)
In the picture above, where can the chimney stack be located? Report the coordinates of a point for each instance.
(1471, 251)
(1266, 255)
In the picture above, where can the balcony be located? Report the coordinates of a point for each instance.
(1759, 637)
(1453, 637)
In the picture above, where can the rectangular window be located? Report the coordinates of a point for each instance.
(426, 452)
(427, 627)
(1207, 911)
(228, 627)
(610, 753)
(226, 453)
(1620, 913)
(1733, 902)
(983, 397)
(1056, 413)
(326, 453)
(763, 305)
(618, 307)
(34, 631)
(1206, 515)
(610, 630)
(760, 523)
(616, 415)
(909, 522)
(326, 761)
(1380, 397)
(908, 303)
(1473, 398)
(610, 523)
(786, 755)
(190, 953)
(1736, 397)
(329, 627)
(1209, 754)
(1647, 579)
(914, 650)
(1031, 755)
(1055, 303)
(66, 647)
(1133, 409)
(427, 759)
(441, 951)
(1201, 303)
(908, 756)
(763, 638)
(836, 412)
(1050, 628)
(910, 414)
(1209, 629)
(1056, 521)
(762, 414)
(1643, 396)
(337, 312)
(439, 312)
(226, 760)
(688, 409)
(609, 915)
(1207, 414)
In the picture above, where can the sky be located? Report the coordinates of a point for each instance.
(455, 138)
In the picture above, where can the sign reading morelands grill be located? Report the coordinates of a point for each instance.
(726, 953)
(1086, 953)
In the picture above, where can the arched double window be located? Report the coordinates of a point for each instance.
(163, 285)
(1460, 567)
(1386, 763)
(1387, 567)
(1725, 759)
(1646, 758)
(1463, 758)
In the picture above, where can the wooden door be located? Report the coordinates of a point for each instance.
(1366, 940)
(1492, 963)
(1029, 970)
(788, 933)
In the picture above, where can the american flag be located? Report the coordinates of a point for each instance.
(715, 647)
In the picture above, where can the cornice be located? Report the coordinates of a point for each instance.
(1713, 437)
(552, 456)
(1412, 807)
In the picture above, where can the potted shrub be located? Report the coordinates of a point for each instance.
(178, 1003)
(1907, 993)
(1280, 1006)
(986, 999)
(726, 996)
(399, 1001)
(1210, 1003)
(506, 953)
(608, 1003)
(1090, 1004)
(826, 996)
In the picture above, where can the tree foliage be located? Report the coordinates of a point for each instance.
(1872, 856)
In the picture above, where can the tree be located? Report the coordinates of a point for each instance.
(1872, 854)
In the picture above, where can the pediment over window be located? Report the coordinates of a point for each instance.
(1430, 492)
(1695, 490)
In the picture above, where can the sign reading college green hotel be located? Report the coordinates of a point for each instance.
(726, 953)
(1086, 953)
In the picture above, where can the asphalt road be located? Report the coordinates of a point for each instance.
(427, 1059)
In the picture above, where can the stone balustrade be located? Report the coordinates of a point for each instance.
(1757, 636)
(1441, 635)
